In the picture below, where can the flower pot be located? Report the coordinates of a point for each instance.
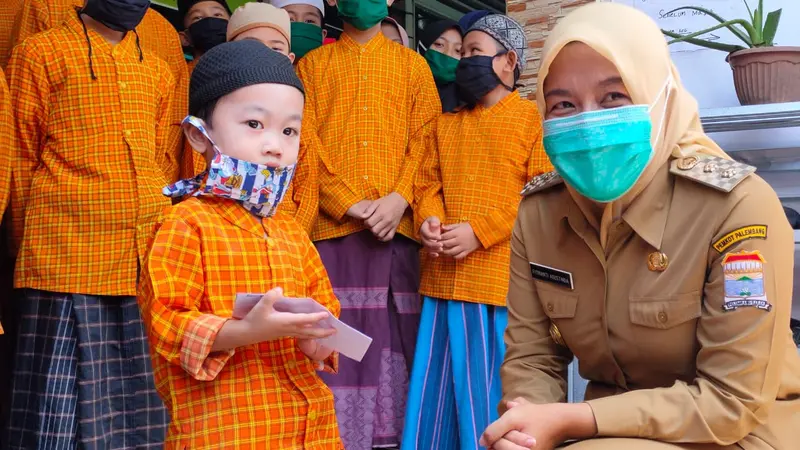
(766, 74)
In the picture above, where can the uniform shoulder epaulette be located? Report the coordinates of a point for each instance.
(715, 172)
(541, 182)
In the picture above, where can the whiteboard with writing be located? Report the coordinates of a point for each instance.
(685, 22)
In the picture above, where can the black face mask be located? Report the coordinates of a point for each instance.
(208, 33)
(118, 15)
(475, 77)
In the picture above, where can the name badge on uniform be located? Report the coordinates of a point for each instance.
(544, 273)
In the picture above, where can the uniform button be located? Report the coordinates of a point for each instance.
(127, 133)
(662, 317)
(312, 415)
(471, 178)
(365, 78)
(550, 307)
(123, 85)
(270, 243)
(363, 50)
(465, 219)
(365, 108)
(366, 177)
(365, 143)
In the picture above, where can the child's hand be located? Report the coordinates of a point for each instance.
(266, 324)
(431, 234)
(315, 351)
(459, 240)
(359, 210)
(384, 215)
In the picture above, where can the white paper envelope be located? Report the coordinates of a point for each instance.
(348, 341)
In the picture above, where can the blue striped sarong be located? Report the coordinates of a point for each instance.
(455, 378)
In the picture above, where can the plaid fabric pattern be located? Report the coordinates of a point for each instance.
(156, 34)
(475, 152)
(82, 376)
(370, 111)
(101, 144)
(261, 396)
(6, 142)
(9, 15)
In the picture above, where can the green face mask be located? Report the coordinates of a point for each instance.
(362, 14)
(305, 37)
(442, 66)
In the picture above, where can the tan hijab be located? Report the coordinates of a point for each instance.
(635, 45)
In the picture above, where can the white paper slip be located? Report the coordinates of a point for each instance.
(347, 341)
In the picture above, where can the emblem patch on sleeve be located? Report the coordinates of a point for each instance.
(740, 234)
(744, 281)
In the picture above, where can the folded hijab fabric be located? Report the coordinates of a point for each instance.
(403, 33)
(645, 66)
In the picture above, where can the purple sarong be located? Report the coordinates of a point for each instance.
(377, 284)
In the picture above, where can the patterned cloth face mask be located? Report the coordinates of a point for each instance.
(257, 187)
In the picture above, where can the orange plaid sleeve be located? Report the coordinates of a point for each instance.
(29, 92)
(167, 143)
(180, 333)
(302, 199)
(9, 21)
(428, 188)
(496, 226)
(321, 290)
(6, 143)
(425, 108)
(35, 18)
(336, 193)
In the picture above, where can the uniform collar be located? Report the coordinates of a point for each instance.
(351, 45)
(647, 215)
(235, 213)
(509, 101)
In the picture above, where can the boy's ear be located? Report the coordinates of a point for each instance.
(292, 57)
(512, 61)
(185, 42)
(196, 138)
(324, 34)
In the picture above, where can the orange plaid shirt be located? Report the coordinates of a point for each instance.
(156, 34)
(370, 112)
(479, 162)
(6, 142)
(91, 159)
(9, 18)
(263, 396)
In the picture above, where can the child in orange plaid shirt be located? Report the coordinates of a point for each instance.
(250, 383)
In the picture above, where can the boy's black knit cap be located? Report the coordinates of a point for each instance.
(234, 65)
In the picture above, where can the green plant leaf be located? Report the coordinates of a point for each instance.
(729, 25)
(738, 33)
(771, 27)
(749, 11)
(758, 22)
(727, 48)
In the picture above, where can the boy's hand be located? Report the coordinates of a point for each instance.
(267, 324)
(359, 210)
(315, 351)
(384, 215)
(431, 234)
(459, 240)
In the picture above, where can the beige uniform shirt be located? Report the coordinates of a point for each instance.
(681, 326)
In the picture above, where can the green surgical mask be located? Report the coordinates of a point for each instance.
(305, 37)
(442, 66)
(362, 14)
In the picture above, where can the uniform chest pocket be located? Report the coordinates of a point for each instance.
(557, 304)
(665, 312)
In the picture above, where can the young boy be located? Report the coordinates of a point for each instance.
(370, 110)
(264, 23)
(493, 146)
(307, 21)
(205, 24)
(92, 115)
(248, 383)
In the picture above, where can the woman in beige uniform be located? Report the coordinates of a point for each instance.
(661, 264)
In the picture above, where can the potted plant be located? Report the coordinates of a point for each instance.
(762, 71)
